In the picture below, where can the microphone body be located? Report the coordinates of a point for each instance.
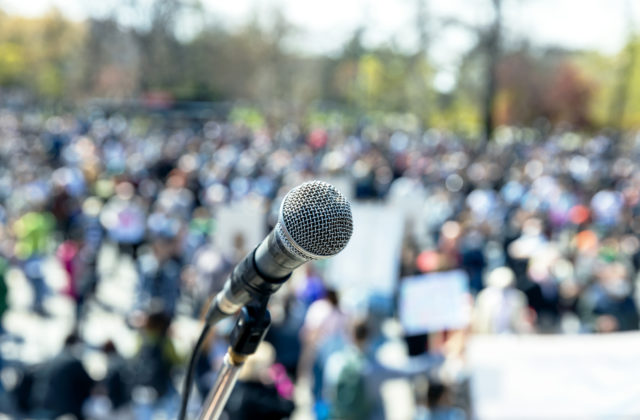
(258, 275)
(314, 223)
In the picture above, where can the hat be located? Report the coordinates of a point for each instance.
(501, 277)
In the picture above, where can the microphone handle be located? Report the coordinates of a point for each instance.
(273, 258)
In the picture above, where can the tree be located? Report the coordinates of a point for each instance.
(567, 96)
(625, 76)
(112, 60)
(492, 43)
(41, 54)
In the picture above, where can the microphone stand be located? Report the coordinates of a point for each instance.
(251, 327)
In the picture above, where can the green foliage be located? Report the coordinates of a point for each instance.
(459, 115)
(600, 69)
(49, 81)
(631, 115)
(383, 80)
(12, 63)
(247, 116)
(330, 119)
(39, 54)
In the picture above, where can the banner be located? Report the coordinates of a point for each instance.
(435, 302)
(555, 377)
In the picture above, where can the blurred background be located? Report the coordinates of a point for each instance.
(488, 149)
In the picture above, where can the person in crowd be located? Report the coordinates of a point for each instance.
(33, 232)
(439, 404)
(354, 377)
(117, 381)
(154, 363)
(608, 305)
(124, 218)
(255, 395)
(324, 331)
(561, 214)
(500, 307)
(62, 385)
(111, 396)
(4, 265)
(160, 276)
(284, 335)
(78, 262)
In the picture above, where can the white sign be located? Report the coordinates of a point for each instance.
(555, 377)
(370, 262)
(435, 302)
(244, 220)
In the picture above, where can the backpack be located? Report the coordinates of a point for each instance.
(350, 398)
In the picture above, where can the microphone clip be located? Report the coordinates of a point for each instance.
(251, 327)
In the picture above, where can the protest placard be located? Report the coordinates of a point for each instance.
(434, 302)
(370, 262)
(243, 220)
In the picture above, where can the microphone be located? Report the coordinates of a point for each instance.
(314, 223)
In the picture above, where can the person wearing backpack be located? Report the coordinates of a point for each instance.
(354, 378)
(348, 396)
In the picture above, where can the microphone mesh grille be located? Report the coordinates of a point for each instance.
(317, 218)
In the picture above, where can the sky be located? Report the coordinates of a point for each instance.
(324, 26)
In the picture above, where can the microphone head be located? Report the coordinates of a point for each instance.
(315, 220)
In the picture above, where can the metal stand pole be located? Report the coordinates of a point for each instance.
(222, 388)
(250, 329)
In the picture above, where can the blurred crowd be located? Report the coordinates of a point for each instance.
(544, 225)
